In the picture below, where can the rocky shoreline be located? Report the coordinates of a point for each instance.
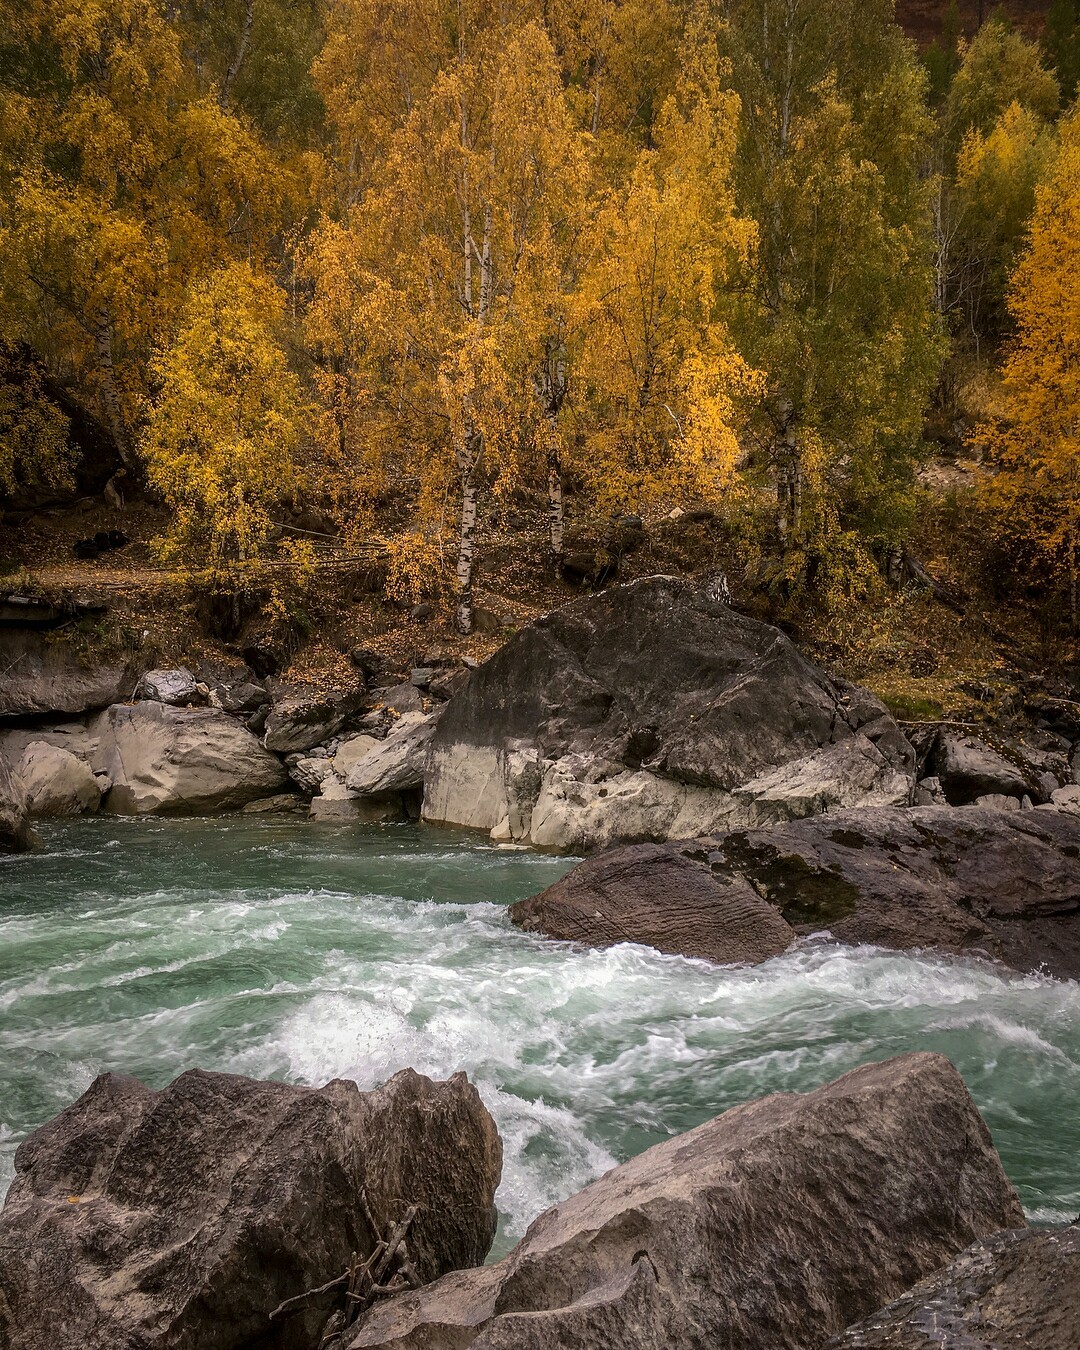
(743, 796)
(222, 1213)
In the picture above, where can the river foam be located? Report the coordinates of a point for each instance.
(275, 950)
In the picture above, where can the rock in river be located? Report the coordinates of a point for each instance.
(57, 782)
(181, 1219)
(181, 761)
(771, 1227)
(650, 712)
(1018, 1290)
(16, 836)
(1006, 884)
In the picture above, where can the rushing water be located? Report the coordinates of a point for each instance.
(281, 948)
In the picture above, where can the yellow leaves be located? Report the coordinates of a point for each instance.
(224, 434)
(1034, 444)
(34, 447)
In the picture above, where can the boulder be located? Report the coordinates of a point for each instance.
(999, 883)
(1016, 1289)
(401, 698)
(240, 697)
(308, 772)
(58, 783)
(771, 1227)
(181, 761)
(78, 737)
(397, 763)
(969, 768)
(16, 835)
(654, 711)
(281, 801)
(299, 721)
(177, 687)
(181, 1219)
(45, 675)
(349, 751)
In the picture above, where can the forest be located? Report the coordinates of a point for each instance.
(417, 268)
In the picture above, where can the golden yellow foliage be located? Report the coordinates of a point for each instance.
(1033, 444)
(224, 433)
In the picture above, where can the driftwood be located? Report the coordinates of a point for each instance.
(387, 1269)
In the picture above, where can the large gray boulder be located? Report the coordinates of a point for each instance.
(970, 879)
(652, 712)
(182, 761)
(57, 782)
(1018, 1290)
(16, 836)
(969, 768)
(181, 1219)
(769, 1228)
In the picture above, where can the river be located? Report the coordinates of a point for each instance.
(280, 948)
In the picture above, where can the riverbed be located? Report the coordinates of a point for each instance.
(279, 948)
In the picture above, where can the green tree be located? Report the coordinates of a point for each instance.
(837, 307)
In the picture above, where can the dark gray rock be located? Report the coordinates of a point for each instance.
(1018, 1290)
(401, 698)
(654, 712)
(297, 721)
(771, 1227)
(176, 687)
(1006, 884)
(969, 767)
(241, 697)
(180, 1219)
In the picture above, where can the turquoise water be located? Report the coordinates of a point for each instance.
(282, 948)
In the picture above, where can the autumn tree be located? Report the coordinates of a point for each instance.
(994, 136)
(437, 276)
(836, 306)
(662, 378)
(227, 423)
(121, 180)
(1033, 443)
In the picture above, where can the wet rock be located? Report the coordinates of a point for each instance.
(58, 783)
(16, 835)
(396, 764)
(1015, 1289)
(336, 802)
(181, 761)
(655, 894)
(1000, 883)
(177, 687)
(180, 1219)
(656, 712)
(281, 801)
(299, 721)
(769, 1228)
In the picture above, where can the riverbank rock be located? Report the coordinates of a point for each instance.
(180, 1219)
(177, 687)
(299, 721)
(649, 712)
(16, 836)
(397, 763)
(44, 676)
(769, 1228)
(1016, 1289)
(970, 769)
(181, 761)
(58, 783)
(962, 879)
